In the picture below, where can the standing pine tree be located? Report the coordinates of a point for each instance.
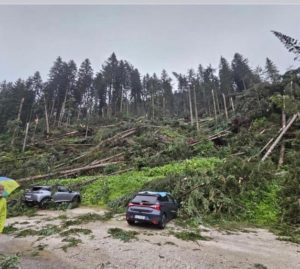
(271, 71)
(242, 73)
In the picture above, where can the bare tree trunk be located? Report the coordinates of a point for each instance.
(152, 102)
(121, 101)
(46, 117)
(279, 137)
(283, 124)
(196, 109)
(232, 104)
(225, 106)
(218, 103)
(190, 105)
(25, 138)
(62, 111)
(18, 119)
(214, 102)
(35, 126)
(164, 107)
(20, 108)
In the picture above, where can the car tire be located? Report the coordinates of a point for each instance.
(29, 204)
(130, 222)
(163, 221)
(75, 201)
(44, 203)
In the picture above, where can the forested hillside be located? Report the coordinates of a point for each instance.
(225, 140)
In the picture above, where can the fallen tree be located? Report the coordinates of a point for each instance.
(67, 172)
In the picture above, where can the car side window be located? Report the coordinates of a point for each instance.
(163, 198)
(170, 199)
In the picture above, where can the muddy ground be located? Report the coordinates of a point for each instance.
(152, 248)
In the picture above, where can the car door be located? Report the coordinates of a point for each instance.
(172, 206)
(61, 194)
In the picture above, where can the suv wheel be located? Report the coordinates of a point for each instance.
(75, 201)
(130, 222)
(29, 204)
(163, 221)
(44, 202)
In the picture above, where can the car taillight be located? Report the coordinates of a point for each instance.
(156, 206)
(130, 204)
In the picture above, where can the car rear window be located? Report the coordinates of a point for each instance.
(149, 199)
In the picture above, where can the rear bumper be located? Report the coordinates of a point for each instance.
(141, 217)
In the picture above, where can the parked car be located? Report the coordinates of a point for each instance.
(152, 207)
(43, 195)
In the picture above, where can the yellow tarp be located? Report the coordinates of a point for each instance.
(2, 213)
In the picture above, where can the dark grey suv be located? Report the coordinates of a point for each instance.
(152, 207)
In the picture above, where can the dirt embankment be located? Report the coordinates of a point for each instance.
(152, 248)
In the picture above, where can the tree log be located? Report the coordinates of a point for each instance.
(279, 137)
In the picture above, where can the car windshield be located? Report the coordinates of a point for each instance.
(148, 199)
(38, 188)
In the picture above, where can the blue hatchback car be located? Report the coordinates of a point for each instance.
(152, 207)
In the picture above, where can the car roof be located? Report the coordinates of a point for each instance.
(154, 193)
(39, 186)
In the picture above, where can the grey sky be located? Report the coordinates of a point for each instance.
(150, 37)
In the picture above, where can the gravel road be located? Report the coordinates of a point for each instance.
(153, 248)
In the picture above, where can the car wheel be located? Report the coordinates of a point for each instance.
(130, 222)
(75, 201)
(163, 221)
(44, 202)
(29, 204)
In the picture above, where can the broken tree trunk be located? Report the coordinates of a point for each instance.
(214, 102)
(283, 124)
(279, 137)
(190, 105)
(196, 109)
(36, 121)
(232, 104)
(225, 106)
(25, 138)
(46, 117)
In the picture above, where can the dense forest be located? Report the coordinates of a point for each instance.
(118, 90)
(241, 121)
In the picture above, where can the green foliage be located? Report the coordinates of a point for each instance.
(73, 231)
(9, 262)
(290, 193)
(122, 235)
(111, 188)
(71, 242)
(189, 236)
(262, 204)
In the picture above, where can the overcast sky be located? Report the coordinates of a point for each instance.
(152, 38)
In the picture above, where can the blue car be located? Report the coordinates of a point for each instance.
(152, 207)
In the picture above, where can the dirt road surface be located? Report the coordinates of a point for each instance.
(153, 248)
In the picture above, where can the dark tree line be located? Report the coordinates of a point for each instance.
(77, 95)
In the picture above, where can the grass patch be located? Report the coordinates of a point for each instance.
(9, 229)
(27, 232)
(285, 232)
(75, 231)
(122, 235)
(86, 218)
(49, 230)
(189, 236)
(71, 242)
(9, 262)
